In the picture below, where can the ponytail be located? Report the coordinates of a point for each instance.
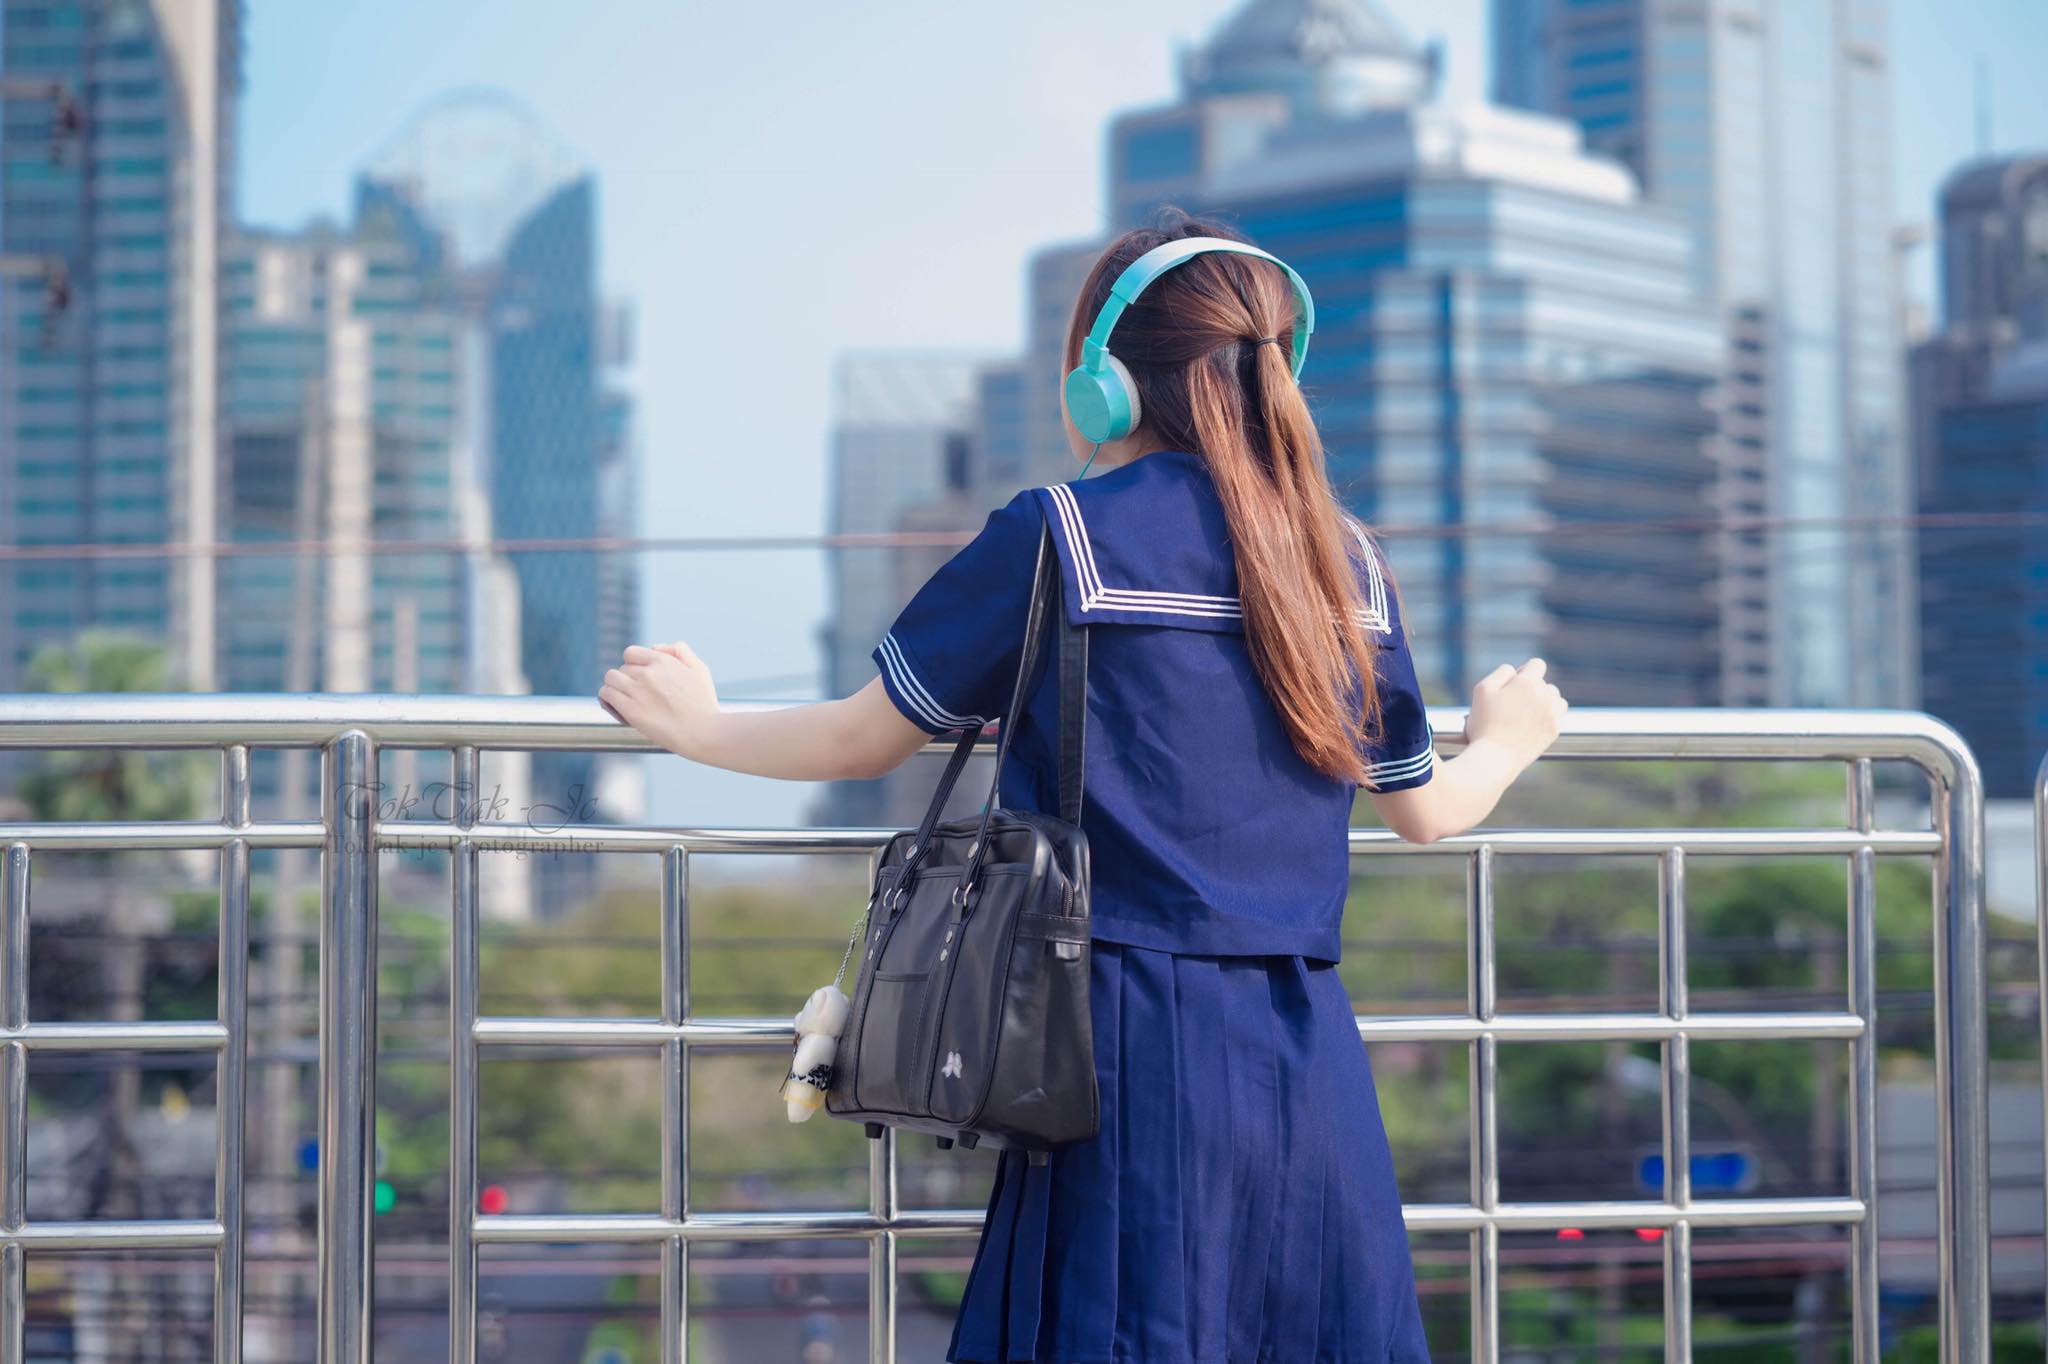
(1197, 344)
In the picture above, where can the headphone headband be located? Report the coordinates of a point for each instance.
(1139, 274)
(1101, 397)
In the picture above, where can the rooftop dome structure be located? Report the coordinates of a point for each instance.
(1332, 57)
(475, 163)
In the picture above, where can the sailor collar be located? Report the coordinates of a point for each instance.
(1139, 545)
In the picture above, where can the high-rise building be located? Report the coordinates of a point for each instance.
(343, 418)
(512, 218)
(618, 499)
(1509, 350)
(116, 181)
(1273, 65)
(1981, 417)
(1053, 280)
(345, 421)
(621, 785)
(1994, 287)
(902, 449)
(1000, 456)
(1768, 126)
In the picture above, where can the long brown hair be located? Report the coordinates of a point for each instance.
(1206, 386)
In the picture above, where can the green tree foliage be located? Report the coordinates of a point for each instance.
(105, 785)
(1580, 934)
(581, 1130)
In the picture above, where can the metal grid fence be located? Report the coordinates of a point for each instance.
(351, 731)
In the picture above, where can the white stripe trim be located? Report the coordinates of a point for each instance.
(1402, 767)
(1377, 586)
(1077, 541)
(1095, 596)
(914, 691)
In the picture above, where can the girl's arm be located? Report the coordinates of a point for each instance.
(667, 694)
(1515, 716)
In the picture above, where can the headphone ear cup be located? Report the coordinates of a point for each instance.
(1132, 409)
(1102, 403)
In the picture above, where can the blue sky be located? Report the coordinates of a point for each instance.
(780, 184)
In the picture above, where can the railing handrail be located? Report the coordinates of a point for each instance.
(443, 719)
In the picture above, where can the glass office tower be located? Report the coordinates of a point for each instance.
(1508, 358)
(346, 419)
(902, 431)
(1513, 373)
(344, 422)
(1767, 125)
(514, 218)
(1981, 414)
(116, 168)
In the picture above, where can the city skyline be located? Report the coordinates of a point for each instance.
(1768, 129)
(946, 237)
(480, 282)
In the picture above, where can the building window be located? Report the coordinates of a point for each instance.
(1161, 153)
(956, 457)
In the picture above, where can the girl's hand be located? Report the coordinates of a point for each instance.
(1516, 709)
(665, 692)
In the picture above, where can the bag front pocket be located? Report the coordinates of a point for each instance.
(889, 1031)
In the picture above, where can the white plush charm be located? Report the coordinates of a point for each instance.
(818, 1025)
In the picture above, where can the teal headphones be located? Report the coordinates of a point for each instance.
(1102, 399)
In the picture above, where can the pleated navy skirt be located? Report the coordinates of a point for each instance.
(1237, 1204)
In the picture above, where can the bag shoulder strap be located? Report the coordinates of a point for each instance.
(1073, 704)
(1073, 681)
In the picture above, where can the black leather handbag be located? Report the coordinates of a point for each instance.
(969, 1015)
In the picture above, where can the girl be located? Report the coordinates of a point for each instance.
(1238, 1203)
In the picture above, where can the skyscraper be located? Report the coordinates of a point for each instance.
(513, 218)
(1768, 126)
(345, 420)
(116, 179)
(1272, 65)
(903, 428)
(1509, 350)
(1981, 414)
(342, 407)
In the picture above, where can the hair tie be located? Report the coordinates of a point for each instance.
(1266, 341)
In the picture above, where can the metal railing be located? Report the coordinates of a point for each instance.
(351, 731)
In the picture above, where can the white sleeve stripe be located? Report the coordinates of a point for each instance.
(908, 685)
(915, 691)
(1402, 767)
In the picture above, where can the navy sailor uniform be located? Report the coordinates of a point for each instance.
(1238, 1204)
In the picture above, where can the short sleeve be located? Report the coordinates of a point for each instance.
(950, 658)
(1402, 755)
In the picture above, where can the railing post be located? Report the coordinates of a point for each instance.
(348, 1046)
(885, 1204)
(1482, 977)
(1676, 1098)
(232, 1090)
(14, 1096)
(1962, 1080)
(2041, 968)
(675, 1105)
(464, 995)
(1862, 970)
